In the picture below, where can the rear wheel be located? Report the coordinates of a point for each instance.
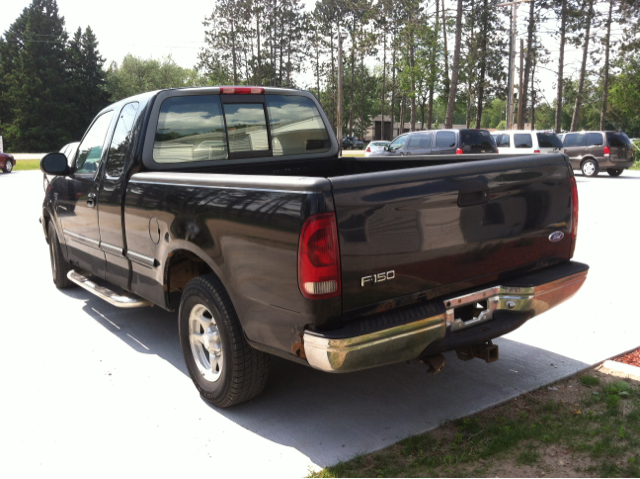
(59, 267)
(589, 168)
(614, 171)
(8, 166)
(224, 368)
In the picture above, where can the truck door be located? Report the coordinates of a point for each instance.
(78, 207)
(110, 212)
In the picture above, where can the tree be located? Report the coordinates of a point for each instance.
(585, 51)
(448, 122)
(35, 90)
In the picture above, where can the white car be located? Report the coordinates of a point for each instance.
(69, 150)
(527, 141)
(375, 147)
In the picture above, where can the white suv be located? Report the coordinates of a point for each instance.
(527, 141)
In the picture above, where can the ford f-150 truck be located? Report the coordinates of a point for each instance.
(232, 206)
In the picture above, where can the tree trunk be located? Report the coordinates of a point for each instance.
(259, 57)
(533, 96)
(446, 54)
(393, 86)
(353, 70)
(522, 104)
(563, 28)
(605, 80)
(432, 63)
(448, 122)
(583, 69)
(384, 84)
(483, 62)
(521, 88)
(233, 53)
(412, 63)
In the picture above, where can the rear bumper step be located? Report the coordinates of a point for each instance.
(111, 297)
(508, 306)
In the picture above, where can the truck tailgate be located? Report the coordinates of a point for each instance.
(438, 229)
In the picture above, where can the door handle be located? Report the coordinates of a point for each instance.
(473, 193)
(91, 200)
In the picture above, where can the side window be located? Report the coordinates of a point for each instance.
(296, 126)
(575, 139)
(398, 143)
(502, 141)
(594, 139)
(90, 150)
(445, 139)
(120, 141)
(419, 141)
(246, 127)
(191, 128)
(522, 140)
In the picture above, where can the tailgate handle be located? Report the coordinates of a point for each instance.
(473, 193)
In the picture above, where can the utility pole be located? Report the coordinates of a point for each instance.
(512, 57)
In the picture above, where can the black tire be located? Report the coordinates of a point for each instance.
(589, 168)
(59, 267)
(244, 371)
(8, 166)
(614, 171)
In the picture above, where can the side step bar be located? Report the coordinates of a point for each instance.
(118, 300)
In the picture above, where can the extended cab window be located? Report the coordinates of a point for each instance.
(445, 139)
(120, 141)
(296, 126)
(594, 139)
(522, 140)
(191, 128)
(90, 150)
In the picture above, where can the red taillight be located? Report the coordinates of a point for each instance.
(368, 150)
(536, 151)
(319, 258)
(459, 151)
(565, 151)
(574, 214)
(241, 91)
(497, 150)
(606, 151)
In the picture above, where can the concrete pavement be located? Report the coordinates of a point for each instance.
(90, 390)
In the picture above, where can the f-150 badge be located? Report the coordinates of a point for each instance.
(556, 236)
(377, 278)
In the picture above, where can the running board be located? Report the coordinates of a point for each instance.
(118, 300)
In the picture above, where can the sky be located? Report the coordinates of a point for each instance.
(157, 29)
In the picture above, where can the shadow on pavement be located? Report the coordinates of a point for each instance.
(331, 417)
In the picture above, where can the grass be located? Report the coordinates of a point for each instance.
(590, 424)
(27, 165)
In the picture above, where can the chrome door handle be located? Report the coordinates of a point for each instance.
(91, 200)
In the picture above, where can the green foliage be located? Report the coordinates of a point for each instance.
(136, 75)
(589, 380)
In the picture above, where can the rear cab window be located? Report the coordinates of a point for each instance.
(206, 129)
(548, 140)
(477, 141)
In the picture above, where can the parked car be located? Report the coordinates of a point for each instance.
(351, 142)
(69, 151)
(7, 162)
(375, 147)
(440, 142)
(527, 141)
(592, 151)
(265, 241)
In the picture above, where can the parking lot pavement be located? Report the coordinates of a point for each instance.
(89, 390)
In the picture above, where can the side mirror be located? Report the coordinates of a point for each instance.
(386, 147)
(54, 164)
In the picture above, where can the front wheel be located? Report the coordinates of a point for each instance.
(225, 369)
(614, 171)
(589, 168)
(8, 166)
(59, 267)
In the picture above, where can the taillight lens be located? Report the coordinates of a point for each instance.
(606, 151)
(458, 151)
(565, 152)
(319, 258)
(574, 214)
(536, 151)
(368, 150)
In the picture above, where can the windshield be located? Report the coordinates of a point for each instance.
(548, 140)
(618, 139)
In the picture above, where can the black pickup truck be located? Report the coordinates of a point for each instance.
(232, 206)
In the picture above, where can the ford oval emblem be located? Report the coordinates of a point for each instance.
(556, 236)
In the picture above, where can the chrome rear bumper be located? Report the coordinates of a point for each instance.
(407, 341)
